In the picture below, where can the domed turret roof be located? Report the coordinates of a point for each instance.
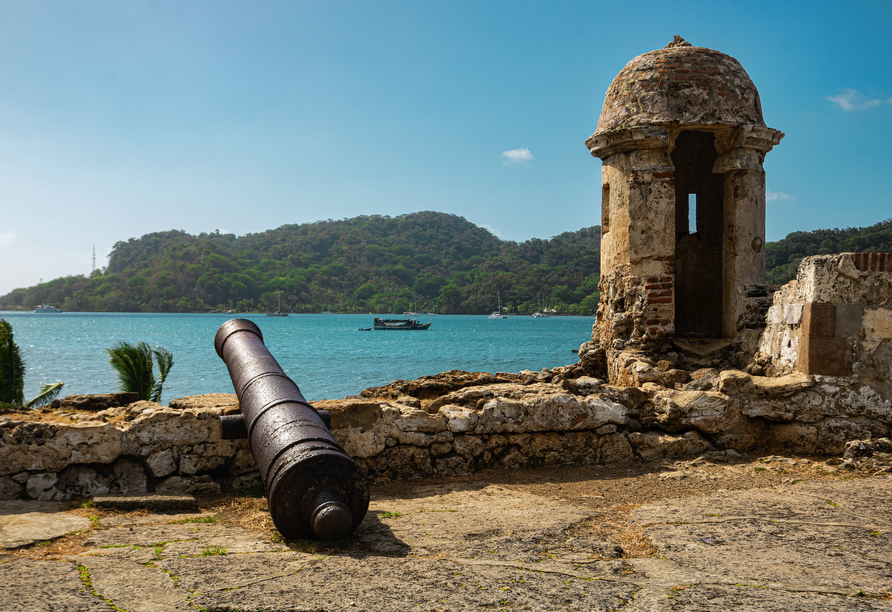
(680, 85)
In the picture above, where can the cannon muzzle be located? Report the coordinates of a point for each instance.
(314, 488)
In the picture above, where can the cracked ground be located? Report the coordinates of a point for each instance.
(773, 533)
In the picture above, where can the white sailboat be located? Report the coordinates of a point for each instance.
(499, 314)
(541, 313)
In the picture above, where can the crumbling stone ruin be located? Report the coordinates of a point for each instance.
(691, 354)
(682, 140)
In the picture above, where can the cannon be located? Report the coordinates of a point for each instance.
(314, 488)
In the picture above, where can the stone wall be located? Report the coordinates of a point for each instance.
(451, 424)
(834, 319)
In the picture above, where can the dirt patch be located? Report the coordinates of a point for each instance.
(611, 494)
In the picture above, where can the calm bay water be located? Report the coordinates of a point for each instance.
(326, 355)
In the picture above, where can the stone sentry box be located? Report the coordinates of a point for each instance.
(683, 140)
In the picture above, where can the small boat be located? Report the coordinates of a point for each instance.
(543, 312)
(45, 308)
(365, 329)
(399, 324)
(499, 314)
(278, 312)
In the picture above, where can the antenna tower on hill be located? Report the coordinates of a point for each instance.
(94, 258)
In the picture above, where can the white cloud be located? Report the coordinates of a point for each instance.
(771, 196)
(851, 100)
(492, 230)
(7, 238)
(516, 156)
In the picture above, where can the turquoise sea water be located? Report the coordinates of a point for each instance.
(326, 355)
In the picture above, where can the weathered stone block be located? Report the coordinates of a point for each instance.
(543, 443)
(413, 420)
(403, 462)
(775, 315)
(458, 419)
(362, 415)
(80, 480)
(440, 448)
(794, 437)
(848, 319)
(94, 402)
(834, 433)
(359, 443)
(652, 445)
(819, 319)
(164, 428)
(793, 314)
(244, 462)
(42, 486)
(9, 489)
(468, 446)
(225, 402)
(706, 411)
(823, 355)
(162, 463)
(192, 463)
(130, 477)
(558, 412)
(877, 327)
(413, 437)
(615, 448)
(90, 442)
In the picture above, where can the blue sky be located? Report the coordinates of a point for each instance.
(123, 118)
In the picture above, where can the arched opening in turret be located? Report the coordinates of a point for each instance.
(699, 225)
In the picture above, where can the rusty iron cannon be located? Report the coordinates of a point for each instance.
(314, 488)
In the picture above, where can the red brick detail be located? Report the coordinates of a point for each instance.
(669, 174)
(660, 300)
(873, 262)
(652, 322)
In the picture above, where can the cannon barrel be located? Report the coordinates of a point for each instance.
(314, 488)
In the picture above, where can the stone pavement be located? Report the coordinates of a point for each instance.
(821, 545)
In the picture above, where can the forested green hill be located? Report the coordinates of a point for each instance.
(782, 258)
(381, 264)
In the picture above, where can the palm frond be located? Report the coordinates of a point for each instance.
(133, 365)
(165, 363)
(48, 392)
